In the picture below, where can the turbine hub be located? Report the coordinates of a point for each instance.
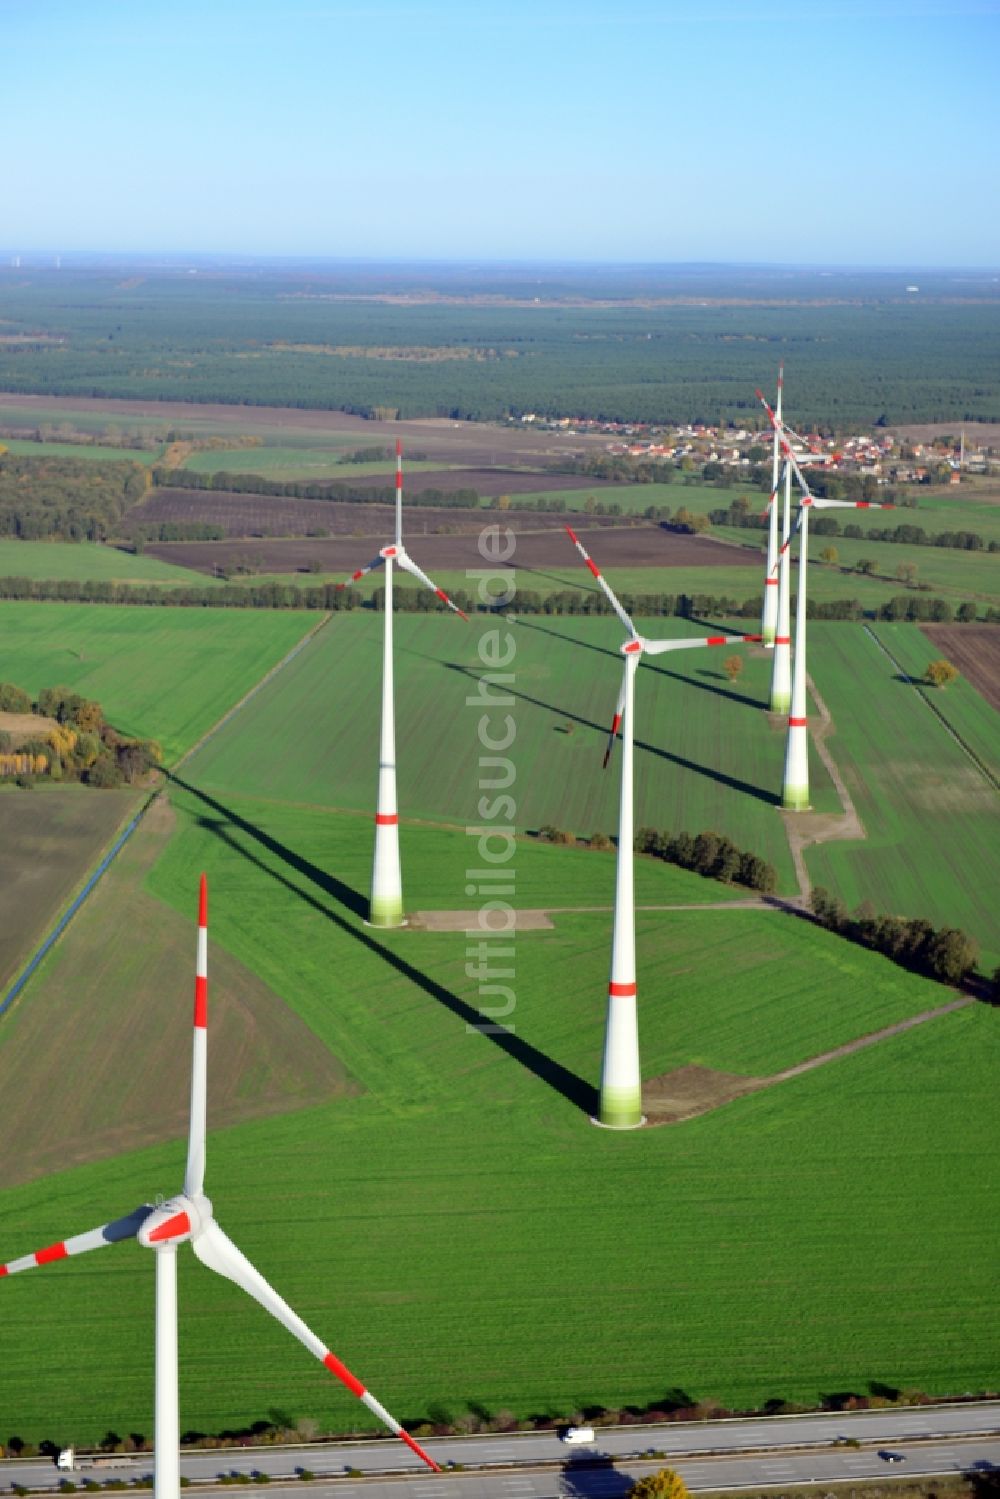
(390, 551)
(632, 647)
(176, 1222)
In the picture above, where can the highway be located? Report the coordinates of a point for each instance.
(934, 1439)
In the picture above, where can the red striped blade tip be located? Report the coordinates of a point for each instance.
(399, 448)
(203, 902)
(572, 535)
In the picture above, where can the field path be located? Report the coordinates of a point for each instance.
(805, 828)
(690, 1091)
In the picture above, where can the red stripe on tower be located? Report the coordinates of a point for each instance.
(54, 1252)
(797, 723)
(343, 1373)
(771, 582)
(621, 991)
(386, 819)
(201, 1002)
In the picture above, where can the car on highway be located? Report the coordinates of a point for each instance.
(577, 1435)
(891, 1457)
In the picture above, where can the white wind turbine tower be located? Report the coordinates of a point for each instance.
(189, 1218)
(386, 904)
(795, 784)
(769, 617)
(621, 1080)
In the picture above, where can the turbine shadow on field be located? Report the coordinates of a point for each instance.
(720, 776)
(737, 697)
(345, 894)
(576, 1090)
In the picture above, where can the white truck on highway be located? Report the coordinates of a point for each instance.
(68, 1462)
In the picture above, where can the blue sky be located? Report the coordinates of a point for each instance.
(833, 133)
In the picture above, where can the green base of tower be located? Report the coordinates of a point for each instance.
(795, 798)
(780, 705)
(385, 913)
(620, 1110)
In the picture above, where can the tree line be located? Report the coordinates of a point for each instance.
(312, 489)
(569, 601)
(741, 517)
(946, 953)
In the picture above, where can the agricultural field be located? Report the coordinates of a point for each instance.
(706, 755)
(51, 838)
(929, 814)
(288, 462)
(975, 652)
(970, 705)
(164, 674)
(87, 561)
(469, 1170)
(28, 448)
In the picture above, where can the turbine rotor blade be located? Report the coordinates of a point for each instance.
(616, 606)
(657, 647)
(194, 1173)
(95, 1238)
(362, 571)
(617, 720)
(406, 561)
(218, 1252)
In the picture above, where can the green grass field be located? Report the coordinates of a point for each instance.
(87, 561)
(930, 815)
(449, 1222)
(165, 674)
(489, 1209)
(968, 713)
(93, 451)
(706, 757)
(290, 462)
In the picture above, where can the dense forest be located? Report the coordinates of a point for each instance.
(860, 351)
(66, 499)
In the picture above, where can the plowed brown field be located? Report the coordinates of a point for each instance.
(266, 515)
(633, 546)
(975, 650)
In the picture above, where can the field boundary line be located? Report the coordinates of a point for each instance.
(121, 836)
(984, 770)
(118, 840)
(300, 645)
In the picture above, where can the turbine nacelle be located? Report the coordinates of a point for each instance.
(176, 1222)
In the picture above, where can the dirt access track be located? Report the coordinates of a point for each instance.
(474, 444)
(648, 546)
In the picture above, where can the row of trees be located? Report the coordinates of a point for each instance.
(710, 854)
(944, 953)
(312, 489)
(570, 601)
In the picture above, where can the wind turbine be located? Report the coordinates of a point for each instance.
(621, 1081)
(795, 784)
(386, 904)
(769, 617)
(189, 1218)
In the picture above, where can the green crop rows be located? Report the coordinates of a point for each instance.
(162, 674)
